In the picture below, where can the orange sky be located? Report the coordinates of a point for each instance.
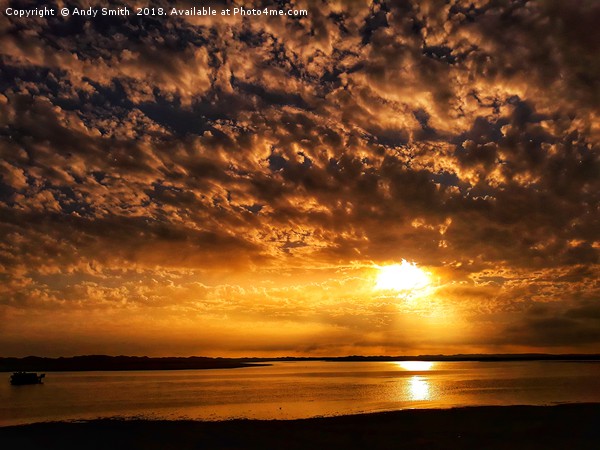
(229, 186)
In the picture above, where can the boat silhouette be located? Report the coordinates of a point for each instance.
(19, 378)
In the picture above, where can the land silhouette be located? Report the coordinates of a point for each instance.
(109, 363)
(515, 427)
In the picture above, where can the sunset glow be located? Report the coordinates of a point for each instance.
(402, 277)
(416, 366)
(364, 178)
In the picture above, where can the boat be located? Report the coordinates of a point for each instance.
(19, 378)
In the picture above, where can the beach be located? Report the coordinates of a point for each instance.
(488, 427)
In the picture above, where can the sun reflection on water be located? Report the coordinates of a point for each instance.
(418, 388)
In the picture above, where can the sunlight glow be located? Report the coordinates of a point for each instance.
(416, 366)
(402, 277)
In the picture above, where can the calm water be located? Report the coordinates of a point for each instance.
(296, 389)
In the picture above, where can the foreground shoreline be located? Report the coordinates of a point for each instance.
(484, 427)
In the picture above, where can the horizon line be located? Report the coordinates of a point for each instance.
(426, 355)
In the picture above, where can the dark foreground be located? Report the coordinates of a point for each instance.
(514, 427)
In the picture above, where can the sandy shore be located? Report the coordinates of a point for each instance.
(574, 426)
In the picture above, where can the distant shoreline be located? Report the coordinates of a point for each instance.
(486, 427)
(125, 363)
(118, 363)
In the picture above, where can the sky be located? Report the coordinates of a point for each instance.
(237, 185)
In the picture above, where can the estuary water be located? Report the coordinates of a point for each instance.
(289, 390)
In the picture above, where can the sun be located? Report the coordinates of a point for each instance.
(401, 277)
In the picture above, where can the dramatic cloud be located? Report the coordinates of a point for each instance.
(227, 185)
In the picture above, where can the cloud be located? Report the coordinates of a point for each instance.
(461, 136)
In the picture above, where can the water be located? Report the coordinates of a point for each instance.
(288, 390)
